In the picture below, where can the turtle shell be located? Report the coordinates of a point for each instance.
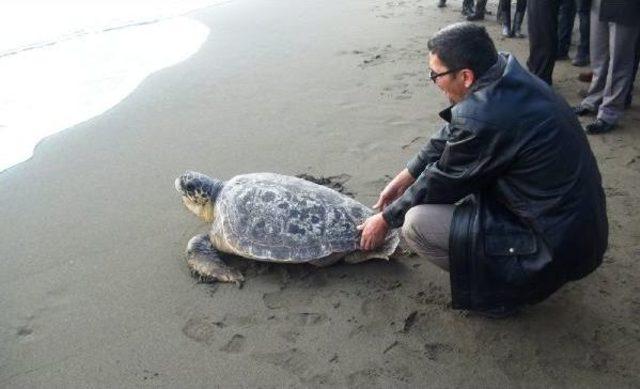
(279, 218)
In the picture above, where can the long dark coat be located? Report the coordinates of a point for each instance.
(531, 211)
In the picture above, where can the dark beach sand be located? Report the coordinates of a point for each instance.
(94, 291)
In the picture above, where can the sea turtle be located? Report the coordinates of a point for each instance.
(275, 218)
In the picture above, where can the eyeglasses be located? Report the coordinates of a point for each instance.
(434, 76)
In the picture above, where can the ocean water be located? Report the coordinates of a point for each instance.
(64, 62)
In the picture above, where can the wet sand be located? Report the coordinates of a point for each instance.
(95, 291)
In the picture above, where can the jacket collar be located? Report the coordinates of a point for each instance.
(493, 74)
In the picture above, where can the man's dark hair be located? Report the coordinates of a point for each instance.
(464, 46)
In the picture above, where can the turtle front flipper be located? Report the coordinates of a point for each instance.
(205, 263)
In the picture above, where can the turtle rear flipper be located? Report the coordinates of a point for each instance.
(205, 263)
(386, 251)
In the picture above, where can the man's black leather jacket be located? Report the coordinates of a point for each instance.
(531, 211)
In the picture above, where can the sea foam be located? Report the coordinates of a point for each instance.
(49, 86)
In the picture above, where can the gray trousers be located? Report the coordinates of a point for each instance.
(612, 61)
(426, 231)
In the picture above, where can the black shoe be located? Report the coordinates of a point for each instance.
(581, 110)
(580, 62)
(442, 3)
(505, 20)
(497, 312)
(516, 32)
(599, 127)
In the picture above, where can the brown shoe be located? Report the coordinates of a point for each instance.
(586, 76)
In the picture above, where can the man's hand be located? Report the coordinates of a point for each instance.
(374, 230)
(394, 189)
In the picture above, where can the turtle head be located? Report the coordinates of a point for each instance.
(199, 193)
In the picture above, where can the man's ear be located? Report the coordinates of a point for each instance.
(468, 77)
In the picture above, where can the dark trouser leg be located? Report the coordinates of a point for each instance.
(504, 15)
(521, 7)
(566, 17)
(543, 37)
(467, 7)
(636, 62)
(583, 8)
(426, 231)
(478, 14)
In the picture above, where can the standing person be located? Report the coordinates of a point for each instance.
(614, 33)
(583, 8)
(566, 18)
(504, 15)
(493, 197)
(543, 37)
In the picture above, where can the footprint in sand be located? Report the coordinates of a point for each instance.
(434, 351)
(201, 329)
(365, 378)
(235, 345)
(297, 297)
(290, 336)
(321, 380)
(374, 56)
(308, 318)
(24, 332)
(399, 91)
(403, 75)
(293, 361)
(379, 305)
(432, 295)
(148, 374)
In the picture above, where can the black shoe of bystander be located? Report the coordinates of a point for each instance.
(599, 127)
(580, 62)
(581, 110)
(517, 25)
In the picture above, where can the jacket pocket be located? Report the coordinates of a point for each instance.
(521, 243)
(513, 258)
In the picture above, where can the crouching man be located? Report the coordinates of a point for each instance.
(507, 196)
